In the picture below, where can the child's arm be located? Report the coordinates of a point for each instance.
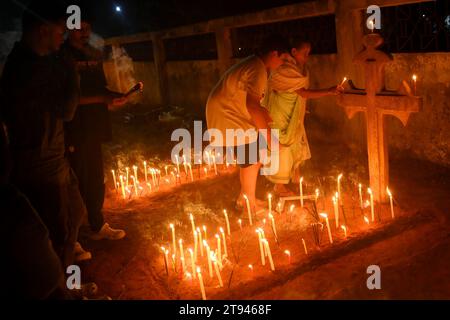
(318, 93)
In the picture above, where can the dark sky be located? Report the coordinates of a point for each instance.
(147, 15)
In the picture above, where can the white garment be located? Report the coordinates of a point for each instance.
(226, 107)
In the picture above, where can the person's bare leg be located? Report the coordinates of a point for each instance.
(248, 177)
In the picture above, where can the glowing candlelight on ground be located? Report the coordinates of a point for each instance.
(216, 268)
(366, 220)
(240, 224)
(227, 221)
(343, 81)
(204, 231)
(247, 202)
(414, 78)
(128, 174)
(274, 228)
(165, 168)
(269, 254)
(173, 263)
(261, 248)
(208, 254)
(123, 187)
(224, 241)
(174, 243)
(288, 253)
(205, 169)
(270, 202)
(200, 281)
(325, 216)
(199, 234)
(301, 191)
(183, 265)
(360, 196)
(114, 178)
(391, 202)
(336, 209)
(165, 259)
(317, 192)
(135, 172)
(191, 254)
(251, 268)
(372, 209)
(304, 246)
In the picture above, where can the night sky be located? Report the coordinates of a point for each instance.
(147, 15)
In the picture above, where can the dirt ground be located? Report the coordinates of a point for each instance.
(412, 250)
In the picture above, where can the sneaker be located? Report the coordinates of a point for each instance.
(106, 232)
(81, 254)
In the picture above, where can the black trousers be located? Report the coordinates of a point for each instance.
(87, 161)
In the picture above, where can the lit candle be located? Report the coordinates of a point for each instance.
(301, 191)
(304, 246)
(128, 174)
(360, 196)
(185, 165)
(288, 253)
(336, 209)
(135, 172)
(200, 281)
(114, 178)
(240, 224)
(190, 172)
(214, 163)
(195, 245)
(345, 231)
(165, 168)
(274, 228)
(414, 78)
(325, 216)
(204, 231)
(391, 202)
(261, 248)
(191, 254)
(371, 26)
(199, 234)
(372, 209)
(219, 250)
(224, 242)
(216, 268)
(174, 243)
(165, 259)
(177, 163)
(339, 189)
(251, 269)
(145, 171)
(270, 202)
(191, 217)
(343, 81)
(173, 263)
(247, 202)
(205, 169)
(135, 185)
(183, 264)
(366, 220)
(317, 192)
(123, 187)
(208, 254)
(269, 254)
(227, 221)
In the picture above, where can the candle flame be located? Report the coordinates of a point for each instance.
(287, 252)
(217, 236)
(369, 191)
(414, 77)
(339, 177)
(366, 220)
(344, 228)
(245, 197)
(324, 215)
(221, 229)
(171, 226)
(180, 241)
(389, 192)
(250, 267)
(199, 270)
(291, 208)
(301, 179)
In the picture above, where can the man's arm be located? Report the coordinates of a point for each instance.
(260, 115)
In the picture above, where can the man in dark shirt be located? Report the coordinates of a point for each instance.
(39, 92)
(91, 127)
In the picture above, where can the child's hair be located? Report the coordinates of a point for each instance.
(273, 42)
(299, 42)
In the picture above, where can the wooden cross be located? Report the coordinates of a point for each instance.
(376, 102)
